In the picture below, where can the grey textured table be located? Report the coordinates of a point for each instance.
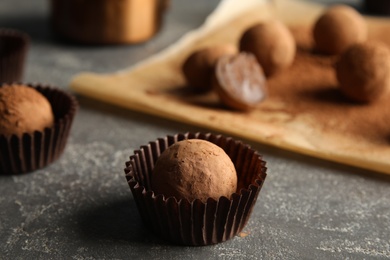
(80, 207)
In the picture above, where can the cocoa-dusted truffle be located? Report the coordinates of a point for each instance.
(363, 71)
(239, 81)
(338, 28)
(199, 66)
(272, 44)
(23, 110)
(194, 169)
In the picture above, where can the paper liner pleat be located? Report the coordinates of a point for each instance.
(196, 223)
(32, 151)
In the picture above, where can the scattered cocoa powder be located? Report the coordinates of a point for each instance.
(310, 87)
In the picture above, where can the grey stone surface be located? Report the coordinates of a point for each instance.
(80, 207)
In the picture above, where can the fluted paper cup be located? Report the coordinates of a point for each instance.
(196, 223)
(32, 151)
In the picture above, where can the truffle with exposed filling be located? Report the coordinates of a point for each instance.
(239, 81)
(339, 28)
(363, 71)
(23, 110)
(199, 66)
(194, 169)
(272, 43)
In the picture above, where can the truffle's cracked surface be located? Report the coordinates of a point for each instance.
(363, 71)
(194, 169)
(23, 110)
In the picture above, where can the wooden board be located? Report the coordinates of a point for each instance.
(155, 86)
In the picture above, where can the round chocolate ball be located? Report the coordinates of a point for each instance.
(338, 28)
(272, 43)
(363, 71)
(194, 169)
(23, 110)
(199, 66)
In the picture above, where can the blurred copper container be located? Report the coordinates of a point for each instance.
(107, 21)
(14, 47)
(381, 7)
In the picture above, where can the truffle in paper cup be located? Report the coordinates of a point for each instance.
(32, 151)
(13, 50)
(196, 223)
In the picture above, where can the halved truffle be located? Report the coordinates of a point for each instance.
(198, 68)
(239, 81)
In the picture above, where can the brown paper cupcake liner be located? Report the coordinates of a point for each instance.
(196, 223)
(36, 150)
(13, 51)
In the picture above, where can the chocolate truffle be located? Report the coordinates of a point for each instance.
(363, 71)
(199, 66)
(338, 28)
(239, 81)
(194, 169)
(23, 110)
(272, 44)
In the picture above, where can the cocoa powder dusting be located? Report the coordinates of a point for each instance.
(309, 88)
(23, 110)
